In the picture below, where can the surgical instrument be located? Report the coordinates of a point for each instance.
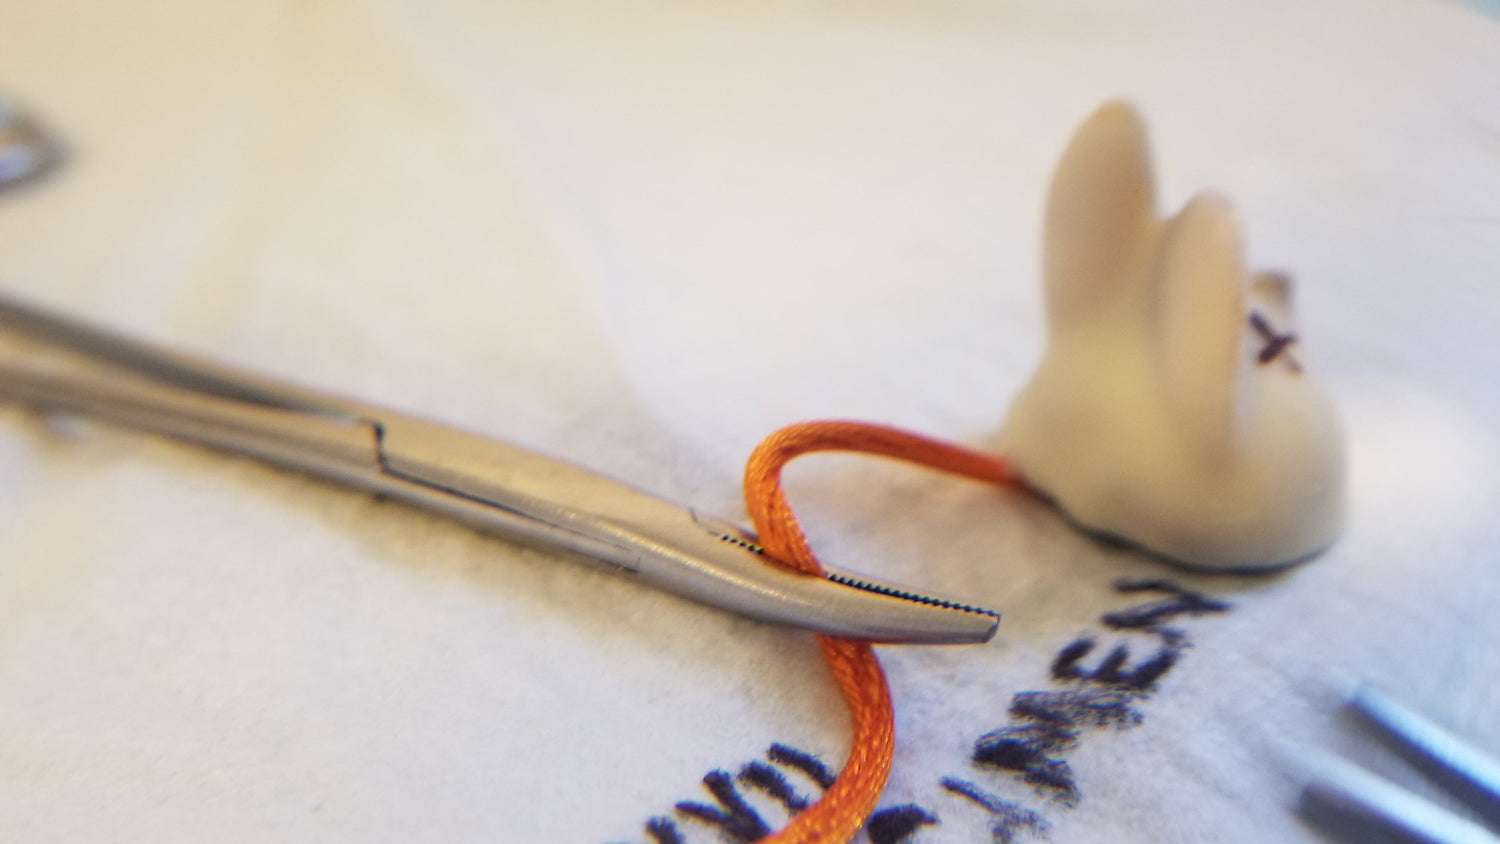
(489, 485)
(1358, 806)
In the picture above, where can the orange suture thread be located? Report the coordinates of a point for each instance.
(845, 806)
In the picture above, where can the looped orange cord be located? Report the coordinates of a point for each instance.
(852, 797)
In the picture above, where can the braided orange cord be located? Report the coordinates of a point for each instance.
(845, 806)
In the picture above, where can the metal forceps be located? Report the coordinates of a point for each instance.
(489, 485)
(1355, 805)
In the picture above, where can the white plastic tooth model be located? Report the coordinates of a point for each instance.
(1173, 408)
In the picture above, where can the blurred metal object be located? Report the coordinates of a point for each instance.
(1462, 770)
(1355, 805)
(27, 151)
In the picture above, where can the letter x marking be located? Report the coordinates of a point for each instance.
(1275, 344)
